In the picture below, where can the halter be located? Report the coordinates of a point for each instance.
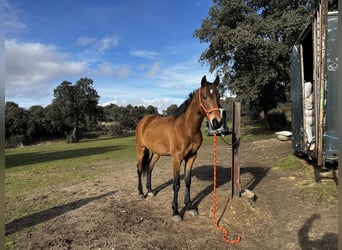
(203, 107)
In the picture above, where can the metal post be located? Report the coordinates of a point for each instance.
(236, 187)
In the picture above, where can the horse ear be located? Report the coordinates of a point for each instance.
(204, 81)
(217, 81)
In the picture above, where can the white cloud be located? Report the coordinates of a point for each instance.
(108, 69)
(33, 70)
(145, 54)
(12, 22)
(155, 68)
(107, 42)
(36, 66)
(101, 45)
(170, 84)
(183, 75)
(86, 40)
(160, 103)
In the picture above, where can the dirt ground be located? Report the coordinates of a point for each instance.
(107, 213)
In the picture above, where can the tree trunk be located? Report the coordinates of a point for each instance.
(72, 137)
(73, 133)
(267, 123)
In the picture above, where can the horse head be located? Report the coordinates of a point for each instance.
(209, 100)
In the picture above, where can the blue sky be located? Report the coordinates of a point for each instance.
(137, 52)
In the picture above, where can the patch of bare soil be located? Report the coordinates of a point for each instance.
(107, 213)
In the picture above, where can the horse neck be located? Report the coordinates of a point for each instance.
(194, 115)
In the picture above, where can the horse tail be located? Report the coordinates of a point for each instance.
(146, 162)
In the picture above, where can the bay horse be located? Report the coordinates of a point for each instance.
(177, 135)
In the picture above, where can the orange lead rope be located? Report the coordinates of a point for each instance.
(225, 231)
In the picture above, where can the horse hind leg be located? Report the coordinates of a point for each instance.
(143, 158)
(154, 158)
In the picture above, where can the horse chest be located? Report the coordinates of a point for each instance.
(194, 144)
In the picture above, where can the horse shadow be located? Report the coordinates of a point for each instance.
(48, 214)
(223, 176)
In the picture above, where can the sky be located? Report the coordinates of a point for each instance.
(138, 52)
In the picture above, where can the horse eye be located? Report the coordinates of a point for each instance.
(204, 97)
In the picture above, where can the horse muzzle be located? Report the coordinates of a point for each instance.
(216, 124)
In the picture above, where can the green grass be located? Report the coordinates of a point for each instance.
(317, 193)
(46, 166)
(33, 173)
(41, 169)
(323, 193)
(291, 162)
(38, 169)
(49, 156)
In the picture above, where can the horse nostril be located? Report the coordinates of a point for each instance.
(216, 124)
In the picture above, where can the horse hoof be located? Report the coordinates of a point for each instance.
(176, 218)
(193, 212)
(150, 194)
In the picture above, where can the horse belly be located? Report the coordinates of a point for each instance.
(157, 142)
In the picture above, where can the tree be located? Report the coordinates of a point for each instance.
(16, 120)
(77, 105)
(37, 123)
(248, 44)
(56, 125)
(150, 110)
(170, 109)
(126, 117)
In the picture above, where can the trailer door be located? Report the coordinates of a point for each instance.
(330, 135)
(296, 98)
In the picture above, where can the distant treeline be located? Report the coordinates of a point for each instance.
(36, 124)
(73, 111)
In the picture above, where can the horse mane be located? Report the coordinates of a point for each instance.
(183, 107)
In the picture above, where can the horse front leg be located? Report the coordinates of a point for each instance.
(189, 161)
(154, 159)
(176, 185)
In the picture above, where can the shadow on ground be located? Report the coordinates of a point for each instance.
(223, 176)
(40, 157)
(46, 215)
(328, 241)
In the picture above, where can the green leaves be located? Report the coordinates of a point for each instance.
(248, 43)
(77, 104)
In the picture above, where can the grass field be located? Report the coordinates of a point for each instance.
(38, 169)
(31, 169)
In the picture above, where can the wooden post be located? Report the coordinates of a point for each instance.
(322, 79)
(236, 187)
